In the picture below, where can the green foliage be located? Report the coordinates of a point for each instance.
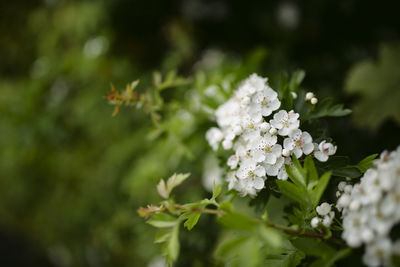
(306, 187)
(164, 189)
(327, 108)
(376, 82)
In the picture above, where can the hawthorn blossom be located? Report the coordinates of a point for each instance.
(370, 209)
(325, 216)
(248, 125)
(325, 150)
(285, 122)
(299, 142)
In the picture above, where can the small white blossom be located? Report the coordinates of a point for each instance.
(315, 222)
(325, 150)
(285, 122)
(371, 208)
(299, 142)
(308, 96)
(214, 137)
(323, 209)
(249, 124)
(314, 100)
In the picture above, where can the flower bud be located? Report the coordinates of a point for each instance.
(314, 100)
(309, 95)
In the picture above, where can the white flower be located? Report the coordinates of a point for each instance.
(243, 126)
(273, 169)
(231, 179)
(371, 209)
(324, 151)
(233, 161)
(315, 222)
(247, 166)
(378, 253)
(214, 137)
(267, 101)
(314, 100)
(285, 122)
(323, 209)
(328, 219)
(212, 173)
(264, 148)
(299, 142)
(309, 95)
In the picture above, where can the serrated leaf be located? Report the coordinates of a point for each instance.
(326, 108)
(294, 192)
(162, 189)
(162, 220)
(319, 189)
(376, 82)
(237, 221)
(192, 220)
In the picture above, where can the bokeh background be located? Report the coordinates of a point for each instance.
(72, 176)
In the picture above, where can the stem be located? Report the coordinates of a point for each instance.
(286, 229)
(301, 233)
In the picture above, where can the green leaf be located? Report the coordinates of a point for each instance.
(162, 220)
(296, 173)
(296, 79)
(162, 236)
(171, 249)
(312, 173)
(192, 220)
(345, 172)
(216, 191)
(230, 248)
(376, 81)
(288, 257)
(313, 247)
(326, 108)
(237, 221)
(366, 163)
(294, 192)
(162, 189)
(317, 192)
(270, 236)
(176, 180)
(250, 255)
(330, 261)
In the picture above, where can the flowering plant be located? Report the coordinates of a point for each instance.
(271, 167)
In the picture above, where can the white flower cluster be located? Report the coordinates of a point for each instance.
(261, 147)
(326, 215)
(371, 208)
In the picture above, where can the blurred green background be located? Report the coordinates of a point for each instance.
(72, 176)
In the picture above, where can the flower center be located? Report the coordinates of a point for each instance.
(267, 149)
